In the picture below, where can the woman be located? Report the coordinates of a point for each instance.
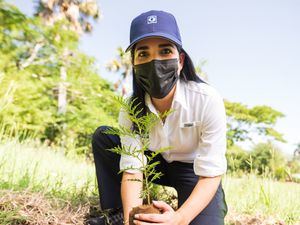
(164, 78)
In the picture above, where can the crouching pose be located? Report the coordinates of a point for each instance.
(164, 78)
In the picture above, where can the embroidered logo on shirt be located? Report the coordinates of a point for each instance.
(152, 19)
(191, 124)
(188, 124)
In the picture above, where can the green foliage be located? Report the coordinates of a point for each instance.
(265, 159)
(35, 167)
(297, 153)
(6, 98)
(254, 195)
(268, 159)
(31, 58)
(237, 160)
(144, 124)
(294, 165)
(244, 122)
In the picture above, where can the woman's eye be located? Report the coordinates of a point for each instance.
(166, 51)
(142, 54)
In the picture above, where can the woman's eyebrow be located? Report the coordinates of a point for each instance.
(160, 46)
(142, 48)
(166, 45)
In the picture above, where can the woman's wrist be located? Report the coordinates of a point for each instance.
(182, 220)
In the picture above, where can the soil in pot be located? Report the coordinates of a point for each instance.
(145, 209)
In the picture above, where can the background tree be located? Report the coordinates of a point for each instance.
(7, 95)
(297, 152)
(264, 159)
(33, 106)
(238, 160)
(243, 122)
(200, 71)
(78, 14)
(121, 64)
(268, 159)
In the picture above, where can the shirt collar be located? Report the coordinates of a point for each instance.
(179, 96)
(148, 103)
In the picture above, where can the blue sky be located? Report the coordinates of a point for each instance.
(252, 48)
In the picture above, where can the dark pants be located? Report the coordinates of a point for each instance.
(179, 175)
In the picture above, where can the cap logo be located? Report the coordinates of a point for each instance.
(152, 19)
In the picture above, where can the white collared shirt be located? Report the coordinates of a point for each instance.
(195, 131)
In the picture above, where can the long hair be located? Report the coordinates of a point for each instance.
(187, 73)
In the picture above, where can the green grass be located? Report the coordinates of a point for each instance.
(37, 168)
(42, 169)
(263, 196)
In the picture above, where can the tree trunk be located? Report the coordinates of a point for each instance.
(62, 91)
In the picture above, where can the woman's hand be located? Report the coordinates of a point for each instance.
(168, 216)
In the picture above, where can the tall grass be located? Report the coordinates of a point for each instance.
(36, 167)
(263, 196)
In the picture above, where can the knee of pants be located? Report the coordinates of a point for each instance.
(98, 136)
(218, 205)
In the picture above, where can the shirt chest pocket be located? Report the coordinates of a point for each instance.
(189, 135)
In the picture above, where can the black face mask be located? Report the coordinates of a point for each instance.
(157, 77)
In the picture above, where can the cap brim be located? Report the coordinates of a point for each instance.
(155, 34)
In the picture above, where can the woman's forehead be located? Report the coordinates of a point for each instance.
(153, 41)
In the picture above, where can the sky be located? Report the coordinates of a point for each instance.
(251, 48)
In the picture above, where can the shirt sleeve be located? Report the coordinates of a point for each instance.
(210, 161)
(129, 163)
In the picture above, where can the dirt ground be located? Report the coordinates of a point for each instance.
(35, 209)
(26, 208)
(237, 219)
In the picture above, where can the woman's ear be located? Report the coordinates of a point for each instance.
(181, 59)
(181, 62)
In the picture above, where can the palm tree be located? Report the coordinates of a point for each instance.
(122, 63)
(199, 70)
(77, 12)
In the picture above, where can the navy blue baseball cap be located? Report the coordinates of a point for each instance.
(154, 24)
